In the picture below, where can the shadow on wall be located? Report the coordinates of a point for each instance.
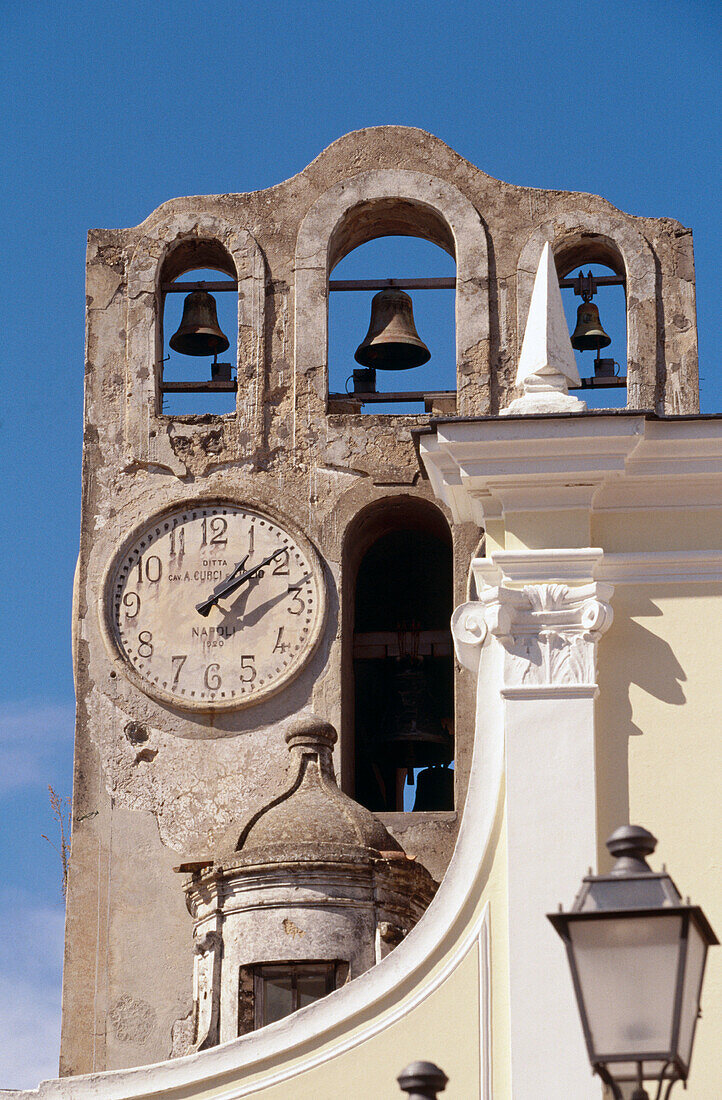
(633, 655)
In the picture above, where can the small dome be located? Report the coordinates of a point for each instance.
(312, 820)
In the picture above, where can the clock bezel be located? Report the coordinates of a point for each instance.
(206, 706)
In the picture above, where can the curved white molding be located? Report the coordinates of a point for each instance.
(387, 992)
(485, 1081)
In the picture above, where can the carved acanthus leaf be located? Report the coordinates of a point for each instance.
(549, 631)
(546, 597)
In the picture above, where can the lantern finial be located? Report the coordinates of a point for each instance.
(630, 844)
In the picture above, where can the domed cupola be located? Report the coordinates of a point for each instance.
(312, 815)
(299, 897)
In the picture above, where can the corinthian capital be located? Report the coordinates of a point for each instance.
(549, 631)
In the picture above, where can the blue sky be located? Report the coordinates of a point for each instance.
(111, 109)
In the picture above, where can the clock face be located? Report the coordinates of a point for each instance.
(216, 606)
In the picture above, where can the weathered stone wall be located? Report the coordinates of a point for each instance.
(153, 782)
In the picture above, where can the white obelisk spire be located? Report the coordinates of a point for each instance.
(546, 364)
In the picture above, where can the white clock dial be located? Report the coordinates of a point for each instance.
(215, 606)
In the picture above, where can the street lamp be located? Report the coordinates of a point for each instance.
(637, 956)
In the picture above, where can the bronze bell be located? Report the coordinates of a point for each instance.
(412, 735)
(392, 342)
(589, 334)
(199, 332)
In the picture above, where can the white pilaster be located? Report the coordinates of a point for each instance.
(546, 632)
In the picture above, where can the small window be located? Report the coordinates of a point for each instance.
(281, 988)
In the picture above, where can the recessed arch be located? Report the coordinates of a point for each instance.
(577, 247)
(388, 217)
(173, 242)
(388, 202)
(398, 668)
(187, 253)
(579, 238)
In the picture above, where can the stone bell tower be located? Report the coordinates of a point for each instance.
(245, 563)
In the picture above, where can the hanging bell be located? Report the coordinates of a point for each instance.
(589, 334)
(199, 332)
(412, 735)
(392, 342)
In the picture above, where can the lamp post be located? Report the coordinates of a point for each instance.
(637, 955)
(422, 1081)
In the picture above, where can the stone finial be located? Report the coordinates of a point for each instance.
(307, 731)
(546, 364)
(308, 735)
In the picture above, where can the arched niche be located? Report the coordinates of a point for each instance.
(578, 238)
(379, 203)
(191, 261)
(175, 242)
(388, 217)
(398, 596)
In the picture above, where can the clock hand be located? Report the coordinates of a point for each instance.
(236, 571)
(231, 583)
(206, 605)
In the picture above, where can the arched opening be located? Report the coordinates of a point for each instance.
(379, 247)
(401, 706)
(407, 261)
(198, 313)
(602, 366)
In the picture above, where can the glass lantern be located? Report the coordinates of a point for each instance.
(637, 956)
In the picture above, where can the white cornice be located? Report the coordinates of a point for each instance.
(495, 466)
(575, 566)
(581, 566)
(661, 567)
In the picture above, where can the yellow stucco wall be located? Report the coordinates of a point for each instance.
(659, 759)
